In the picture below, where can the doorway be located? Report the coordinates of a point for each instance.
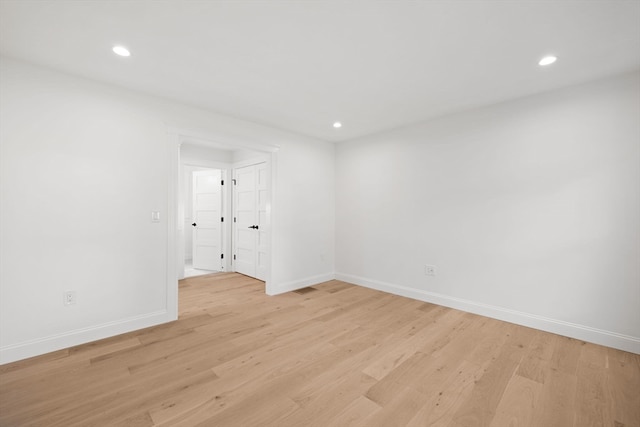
(233, 153)
(208, 237)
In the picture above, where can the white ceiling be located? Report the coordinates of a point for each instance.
(301, 65)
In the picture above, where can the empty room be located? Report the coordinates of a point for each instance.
(320, 213)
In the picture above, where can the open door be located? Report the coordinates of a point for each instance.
(250, 226)
(207, 220)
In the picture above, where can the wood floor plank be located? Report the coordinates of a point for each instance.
(130, 399)
(566, 355)
(334, 355)
(518, 404)
(446, 396)
(37, 403)
(622, 387)
(399, 411)
(358, 410)
(535, 363)
(314, 400)
(556, 406)
(479, 409)
(590, 388)
(234, 393)
(35, 362)
(386, 389)
(415, 338)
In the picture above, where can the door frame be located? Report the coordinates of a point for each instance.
(175, 138)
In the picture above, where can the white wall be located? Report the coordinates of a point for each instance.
(305, 213)
(190, 153)
(243, 156)
(83, 165)
(530, 210)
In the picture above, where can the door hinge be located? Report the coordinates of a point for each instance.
(221, 219)
(234, 257)
(234, 219)
(222, 182)
(235, 182)
(221, 256)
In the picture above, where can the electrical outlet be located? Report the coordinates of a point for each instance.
(69, 297)
(430, 270)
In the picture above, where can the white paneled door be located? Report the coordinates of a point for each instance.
(207, 220)
(250, 225)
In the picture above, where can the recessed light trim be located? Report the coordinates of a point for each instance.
(121, 51)
(337, 125)
(547, 60)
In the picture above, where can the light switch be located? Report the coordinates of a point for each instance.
(155, 216)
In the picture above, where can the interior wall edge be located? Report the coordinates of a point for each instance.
(294, 285)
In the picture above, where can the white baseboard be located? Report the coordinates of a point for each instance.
(26, 349)
(572, 330)
(299, 284)
(23, 350)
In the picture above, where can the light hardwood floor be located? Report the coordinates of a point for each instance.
(331, 355)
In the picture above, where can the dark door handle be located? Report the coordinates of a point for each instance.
(255, 227)
(194, 224)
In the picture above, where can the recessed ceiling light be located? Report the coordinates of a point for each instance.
(337, 125)
(121, 50)
(547, 60)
